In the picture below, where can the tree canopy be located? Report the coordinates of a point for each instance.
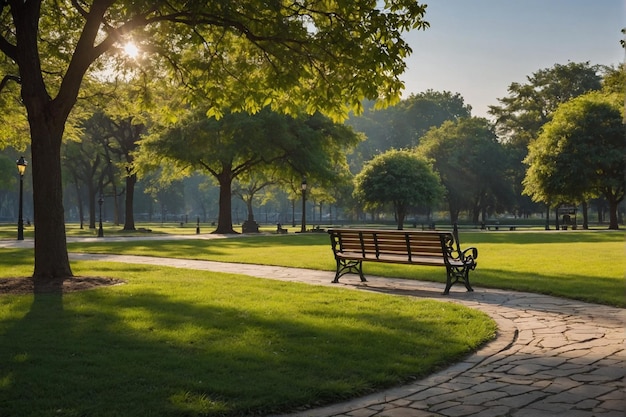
(239, 143)
(399, 178)
(528, 106)
(520, 116)
(403, 125)
(580, 153)
(471, 163)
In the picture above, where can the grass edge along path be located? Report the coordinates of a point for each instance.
(174, 342)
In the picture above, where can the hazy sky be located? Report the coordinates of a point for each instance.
(479, 47)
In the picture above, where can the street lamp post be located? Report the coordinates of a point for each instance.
(303, 185)
(21, 168)
(100, 230)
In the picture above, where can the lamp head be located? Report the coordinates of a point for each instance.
(21, 165)
(303, 185)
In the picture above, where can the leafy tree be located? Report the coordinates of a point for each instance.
(326, 56)
(471, 163)
(124, 135)
(248, 189)
(341, 193)
(421, 112)
(530, 105)
(238, 144)
(399, 178)
(520, 116)
(579, 153)
(85, 164)
(121, 112)
(401, 126)
(614, 79)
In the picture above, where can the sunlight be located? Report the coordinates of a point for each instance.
(131, 50)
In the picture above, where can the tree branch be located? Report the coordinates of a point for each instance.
(8, 78)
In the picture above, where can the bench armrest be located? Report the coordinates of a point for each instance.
(469, 255)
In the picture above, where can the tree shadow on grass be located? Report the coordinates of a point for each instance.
(136, 353)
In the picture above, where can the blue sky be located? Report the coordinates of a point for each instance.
(479, 47)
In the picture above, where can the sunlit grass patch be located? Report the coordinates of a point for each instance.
(581, 265)
(178, 342)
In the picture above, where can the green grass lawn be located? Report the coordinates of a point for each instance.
(174, 342)
(582, 265)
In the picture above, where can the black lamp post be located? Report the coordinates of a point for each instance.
(21, 168)
(100, 230)
(303, 185)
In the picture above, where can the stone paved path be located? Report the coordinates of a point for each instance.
(552, 357)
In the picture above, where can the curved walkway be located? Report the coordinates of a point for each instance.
(552, 356)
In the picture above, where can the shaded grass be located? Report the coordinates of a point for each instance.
(587, 266)
(175, 342)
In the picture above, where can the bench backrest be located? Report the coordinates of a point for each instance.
(381, 243)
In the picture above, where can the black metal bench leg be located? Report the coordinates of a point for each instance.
(349, 267)
(337, 274)
(467, 282)
(361, 272)
(449, 282)
(454, 275)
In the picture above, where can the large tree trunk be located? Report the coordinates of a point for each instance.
(248, 202)
(225, 217)
(91, 191)
(116, 211)
(454, 212)
(129, 218)
(556, 215)
(79, 199)
(400, 215)
(46, 118)
(613, 223)
(585, 215)
(51, 259)
(613, 196)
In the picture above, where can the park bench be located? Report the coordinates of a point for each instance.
(352, 247)
(511, 227)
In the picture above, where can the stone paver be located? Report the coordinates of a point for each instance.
(552, 357)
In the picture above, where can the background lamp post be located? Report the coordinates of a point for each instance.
(100, 231)
(21, 168)
(303, 186)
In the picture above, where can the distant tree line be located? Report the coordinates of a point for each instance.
(555, 140)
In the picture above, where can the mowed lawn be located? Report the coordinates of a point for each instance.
(172, 342)
(582, 265)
